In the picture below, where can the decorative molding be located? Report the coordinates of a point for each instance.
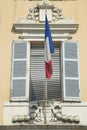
(60, 31)
(58, 116)
(53, 114)
(31, 28)
(50, 0)
(18, 113)
(34, 15)
(34, 116)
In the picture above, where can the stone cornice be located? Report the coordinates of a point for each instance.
(43, 127)
(35, 31)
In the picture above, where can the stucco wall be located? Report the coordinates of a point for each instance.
(10, 11)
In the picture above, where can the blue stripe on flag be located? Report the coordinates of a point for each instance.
(48, 34)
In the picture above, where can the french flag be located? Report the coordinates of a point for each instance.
(49, 49)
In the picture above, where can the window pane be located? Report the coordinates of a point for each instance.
(19, 69)
(20, 50)
(19, 88)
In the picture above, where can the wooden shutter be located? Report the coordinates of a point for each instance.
(20, 71)
(70, 71)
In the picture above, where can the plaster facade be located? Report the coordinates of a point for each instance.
(10, 11)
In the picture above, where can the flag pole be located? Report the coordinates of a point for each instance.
(45, 116)
(49, 49)
(45, 103)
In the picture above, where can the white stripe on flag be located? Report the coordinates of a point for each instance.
(47, 50)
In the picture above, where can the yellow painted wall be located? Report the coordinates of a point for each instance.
(10, 11)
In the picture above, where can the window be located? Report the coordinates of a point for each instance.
(37, 76)
(28, 72)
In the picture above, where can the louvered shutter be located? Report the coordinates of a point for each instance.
(37, 76)
(37, 72)
(54, 84)
(70, 71)
(20, 71)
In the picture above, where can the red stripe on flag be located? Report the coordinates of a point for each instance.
(48, 69)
